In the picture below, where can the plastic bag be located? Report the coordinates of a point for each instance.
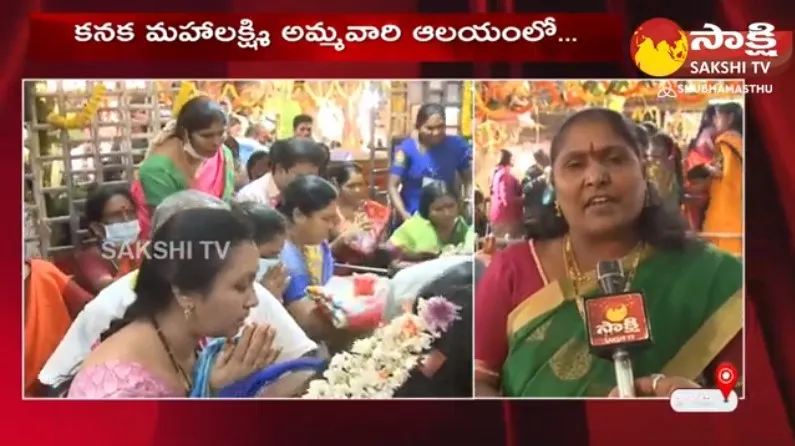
(347, 309)
(367, 242)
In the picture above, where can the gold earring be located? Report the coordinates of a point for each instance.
(557, 209)
(188, 311)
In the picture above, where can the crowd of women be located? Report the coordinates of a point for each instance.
(613, 189)
(703, 180)
(134, 325)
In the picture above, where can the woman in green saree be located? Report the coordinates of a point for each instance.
(436, 228)
(530, 338)
(187, 154)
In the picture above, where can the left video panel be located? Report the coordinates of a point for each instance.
(247, 239)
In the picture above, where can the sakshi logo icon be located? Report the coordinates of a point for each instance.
(661, 48)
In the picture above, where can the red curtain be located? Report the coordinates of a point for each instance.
(772, 115)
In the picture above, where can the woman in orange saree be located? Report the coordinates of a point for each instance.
(723, 222)
(52, 300)
(187, 154)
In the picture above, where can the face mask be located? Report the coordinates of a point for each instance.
(264, 266)
(121, 233)
(193, 153)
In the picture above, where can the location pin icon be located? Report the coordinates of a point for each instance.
(726, 378)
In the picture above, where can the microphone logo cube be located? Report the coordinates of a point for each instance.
(617, 321)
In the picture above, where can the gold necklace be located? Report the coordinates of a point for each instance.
(578, 278)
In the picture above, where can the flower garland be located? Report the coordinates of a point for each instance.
(84, 116)
(572, 94)
(187, 90)
(377, 366)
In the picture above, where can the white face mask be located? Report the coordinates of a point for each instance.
(193, 153)
(264, 266)
(121, 233)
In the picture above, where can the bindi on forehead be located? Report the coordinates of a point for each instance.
(594, 149)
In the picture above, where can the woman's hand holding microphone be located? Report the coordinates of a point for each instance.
(658, 386)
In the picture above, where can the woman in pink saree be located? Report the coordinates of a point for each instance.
(187, 154)
(505, 213)
(700, 155)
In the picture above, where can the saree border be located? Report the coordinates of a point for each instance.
(553, 294)
(527, 311)
(709, 340)
(539, 268)
(542, 301)
(229, 174)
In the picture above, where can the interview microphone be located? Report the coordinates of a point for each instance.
(611, 276)
(617, 323)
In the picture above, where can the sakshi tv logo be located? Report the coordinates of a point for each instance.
(661, 48)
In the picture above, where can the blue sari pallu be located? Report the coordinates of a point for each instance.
(249, 386)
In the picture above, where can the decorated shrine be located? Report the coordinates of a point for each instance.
(504, 109)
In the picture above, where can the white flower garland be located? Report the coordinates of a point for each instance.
(377, 366)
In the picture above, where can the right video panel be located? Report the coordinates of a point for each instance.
(611, 220)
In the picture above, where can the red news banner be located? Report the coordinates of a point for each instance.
(327, 37)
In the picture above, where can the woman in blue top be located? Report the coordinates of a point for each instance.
(433, 155)
(309, 203)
